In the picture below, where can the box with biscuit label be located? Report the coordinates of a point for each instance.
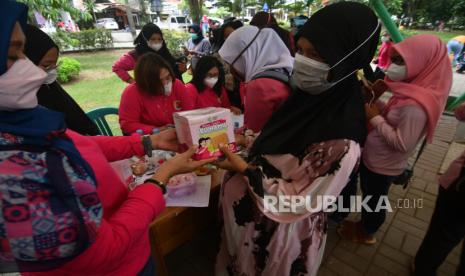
(206, 127)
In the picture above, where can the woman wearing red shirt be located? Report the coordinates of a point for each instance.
(150, 102)
(207, 87)
(117, 240)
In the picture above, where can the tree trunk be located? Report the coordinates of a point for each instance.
(195, 11)
(132, 26)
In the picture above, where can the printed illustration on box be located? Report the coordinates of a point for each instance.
(208, 128)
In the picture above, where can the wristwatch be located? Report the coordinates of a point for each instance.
(160, 184)
(147, 143)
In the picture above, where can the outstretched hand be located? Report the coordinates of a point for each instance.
(181, 163)
(233, 161)
(165, 140)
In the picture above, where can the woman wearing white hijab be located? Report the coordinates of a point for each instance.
(255, 55)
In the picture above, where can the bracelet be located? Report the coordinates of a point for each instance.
(147, 143)
(160, 184)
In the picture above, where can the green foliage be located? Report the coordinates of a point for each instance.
(63, 40)
(408, 33)
(296, 7)
(174, 39)
(144, 17)
(50, 9)
(431, 11)
(225, 4)
(67, 69)
(236, 7)
(195, 10)
(84, 40)
(393, 6)
(221, 12)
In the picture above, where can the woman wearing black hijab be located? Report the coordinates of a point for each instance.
(150, 39)
(43, 52)
(274, 222)
(197, 45)
(229, 26)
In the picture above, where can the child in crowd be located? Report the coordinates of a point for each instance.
(420, 79)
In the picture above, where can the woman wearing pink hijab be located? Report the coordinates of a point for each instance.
(420, 78)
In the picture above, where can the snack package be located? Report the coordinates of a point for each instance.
(181, 185)
(208, 128)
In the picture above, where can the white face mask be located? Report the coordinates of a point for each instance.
(51, 76)
(210, 82)
(310, 75)
(167, 88)
(155, 46)
(384, 39)
(19, 85)
(396, 72)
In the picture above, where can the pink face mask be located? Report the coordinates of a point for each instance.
(19, 85)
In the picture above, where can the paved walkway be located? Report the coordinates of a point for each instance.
(458, 86)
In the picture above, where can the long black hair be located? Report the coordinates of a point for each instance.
(204, 65)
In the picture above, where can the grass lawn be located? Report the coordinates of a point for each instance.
(97, 86)
(444, 36)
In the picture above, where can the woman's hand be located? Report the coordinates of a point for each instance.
(233, 161)
(371, 111)
(165, 140)
(181, 163)
(240, 140)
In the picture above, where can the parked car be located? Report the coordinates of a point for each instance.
(246, 19)
(174, 23)
(107, 23)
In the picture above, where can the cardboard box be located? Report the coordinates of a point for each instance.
(207, 128)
